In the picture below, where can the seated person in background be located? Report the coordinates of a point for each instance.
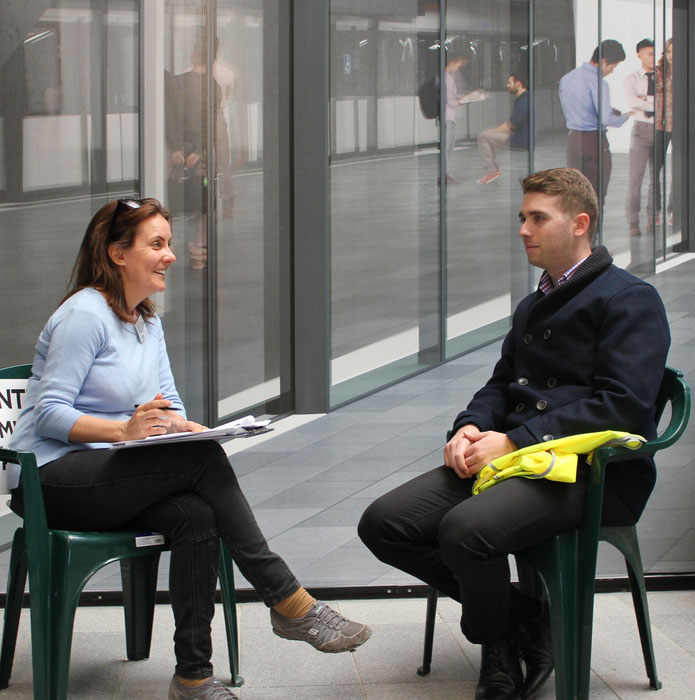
(512, 134)
(586, 353)
(101, 374)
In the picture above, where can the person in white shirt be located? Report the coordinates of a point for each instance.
(639, 93)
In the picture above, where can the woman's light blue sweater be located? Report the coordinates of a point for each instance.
(88, 362)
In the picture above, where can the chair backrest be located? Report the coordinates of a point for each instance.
(13, 384)
(34, 508)
(675, 391)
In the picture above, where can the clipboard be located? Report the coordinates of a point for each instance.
(243, 428)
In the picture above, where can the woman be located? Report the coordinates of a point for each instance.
(663, 83)
(101, 374)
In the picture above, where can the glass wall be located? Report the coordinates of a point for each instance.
(225, 310)
(631, 158)
(68, 144)
(252, 293)
(425, 258)
(435, 110)
(487, 137)
(384, 199)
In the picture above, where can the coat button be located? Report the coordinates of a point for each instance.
(527, 339)
(546, 334)
(542, 405)
(520, 407)
(552, 382)
(548, 438)
(522, 380)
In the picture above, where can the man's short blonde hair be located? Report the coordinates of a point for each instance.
(574, 191)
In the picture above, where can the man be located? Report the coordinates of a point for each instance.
(639, 93)
(582, 90)
(586, 352)
(512, 134)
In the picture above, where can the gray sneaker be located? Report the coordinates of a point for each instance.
(323, 628)
(210, 690)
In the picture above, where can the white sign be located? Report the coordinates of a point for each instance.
(12, 393)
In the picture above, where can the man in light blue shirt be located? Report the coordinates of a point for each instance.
(584, 94)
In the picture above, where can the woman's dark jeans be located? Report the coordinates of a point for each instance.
(187, 491)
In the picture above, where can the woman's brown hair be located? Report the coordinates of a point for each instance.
(115, 223)
(664, 65)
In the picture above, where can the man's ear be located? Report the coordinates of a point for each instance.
(115, 252)
(581, 224)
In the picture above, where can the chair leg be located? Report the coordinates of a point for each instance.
(563, 614)
(51, 641)
(571, 612)
(229, 607)
(16, 582)
(625, 540)
(432, 596)
(139, 577)
(639, 599)
(55, 585)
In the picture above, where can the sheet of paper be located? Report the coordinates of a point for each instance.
(475, 96)
(242, 428)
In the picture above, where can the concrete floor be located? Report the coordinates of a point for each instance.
(383, 669)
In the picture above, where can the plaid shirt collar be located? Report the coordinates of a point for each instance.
(545, 283)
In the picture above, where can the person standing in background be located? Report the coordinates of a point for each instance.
(639, 94)
(581, 92)
(663, 112)
(454, 86)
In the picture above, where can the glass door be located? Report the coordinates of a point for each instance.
(226, 164)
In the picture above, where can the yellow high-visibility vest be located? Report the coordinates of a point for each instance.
(555, 460)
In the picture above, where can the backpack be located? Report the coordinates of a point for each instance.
(428, 94)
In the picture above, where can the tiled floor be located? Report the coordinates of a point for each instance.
(384, 669)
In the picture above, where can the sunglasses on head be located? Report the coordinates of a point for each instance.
(123, 204)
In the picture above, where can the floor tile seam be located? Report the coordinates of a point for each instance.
(312, 478)
(323, 510)
(659, 630)
(360, 680)
(281, 456)
(119, 681)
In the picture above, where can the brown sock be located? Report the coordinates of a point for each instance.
(190, 682)
(296, 605)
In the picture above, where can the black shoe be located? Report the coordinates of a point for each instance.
(500, 672)
(536, 649)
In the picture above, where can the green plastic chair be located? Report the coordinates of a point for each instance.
(566, 563)
(59, 564)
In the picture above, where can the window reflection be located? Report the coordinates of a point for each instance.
(229, 312)
(68, 144)
(487, 152)
(384, 200)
